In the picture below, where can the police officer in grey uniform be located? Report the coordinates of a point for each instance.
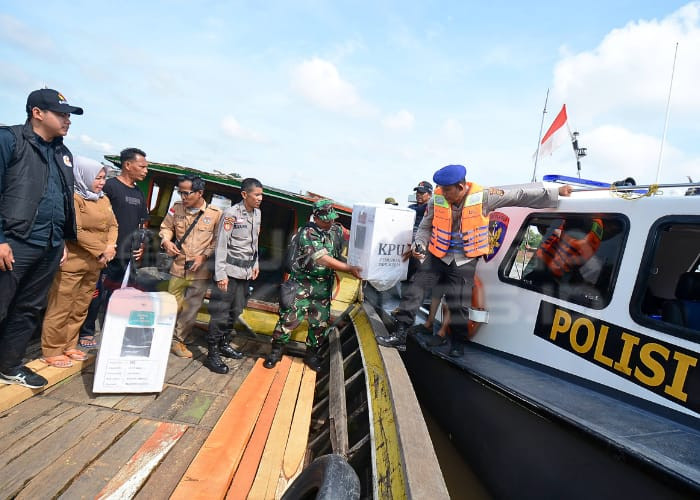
(446, 258)
(235, 264)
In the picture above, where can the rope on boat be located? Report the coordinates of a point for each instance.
(631, 195)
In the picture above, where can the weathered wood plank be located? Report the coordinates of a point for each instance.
(245, 474)
(194, 408)
(22, 415)
(54, 478)
(180, 369)
(135, 403)
(11, 395)
(134, 473)
(299, 432)
(164, 479)
(268, 474)
(337, 405)
(79, 390)
(37, 431)
(210, 473)
(178, 404)
(27, 465)
(204, 379)
(94, 477)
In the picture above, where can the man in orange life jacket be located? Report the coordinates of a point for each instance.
(565, 251)
(455, 231)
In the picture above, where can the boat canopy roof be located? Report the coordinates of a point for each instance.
(233, 180)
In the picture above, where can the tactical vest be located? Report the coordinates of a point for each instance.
(25, 183)
(472, 238)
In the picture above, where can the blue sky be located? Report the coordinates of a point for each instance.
(361, 100)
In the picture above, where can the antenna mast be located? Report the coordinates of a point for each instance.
(668, 108)
(539, 139)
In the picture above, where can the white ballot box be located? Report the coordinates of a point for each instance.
(379, 235)
(136, 339)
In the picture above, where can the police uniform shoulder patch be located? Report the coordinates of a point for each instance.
(229, 221)
(496, 192)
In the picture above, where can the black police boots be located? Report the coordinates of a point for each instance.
(312, 359)
(213, 361)
(227, 351)
(396, 339)
(275, 355)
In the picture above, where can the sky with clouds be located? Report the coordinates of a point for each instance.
(361, 100)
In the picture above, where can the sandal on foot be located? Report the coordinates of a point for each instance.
(87, 341)
(57, 361)
(76, 355)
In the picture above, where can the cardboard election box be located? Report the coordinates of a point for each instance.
(136, 341)
(379, 235)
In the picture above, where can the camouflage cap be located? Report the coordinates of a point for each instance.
(323, 209)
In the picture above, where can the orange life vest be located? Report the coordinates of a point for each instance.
(472, 238)
(562, 253)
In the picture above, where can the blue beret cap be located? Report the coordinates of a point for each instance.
(451, 174)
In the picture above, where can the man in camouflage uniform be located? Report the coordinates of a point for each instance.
(307, 292)
(191, 276)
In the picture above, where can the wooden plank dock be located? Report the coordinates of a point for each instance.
(70, 443)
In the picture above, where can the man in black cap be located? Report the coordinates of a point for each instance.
(424, 190)
(36, 215)
(455, 232)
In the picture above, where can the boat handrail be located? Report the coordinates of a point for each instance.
(586, 185)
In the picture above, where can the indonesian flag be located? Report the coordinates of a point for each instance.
(556, 134)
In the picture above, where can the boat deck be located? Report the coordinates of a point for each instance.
(68, 442)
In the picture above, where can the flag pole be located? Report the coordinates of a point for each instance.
(668, 109)
(539, 138)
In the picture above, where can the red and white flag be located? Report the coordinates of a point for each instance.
(556, 134)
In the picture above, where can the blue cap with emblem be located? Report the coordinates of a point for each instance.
(451, 174)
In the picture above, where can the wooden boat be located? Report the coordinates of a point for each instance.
(251, 433)
(585, 387)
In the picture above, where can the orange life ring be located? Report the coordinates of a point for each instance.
(478, 302)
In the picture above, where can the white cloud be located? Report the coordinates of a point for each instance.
(103, 147)
(402, 120)
(232, 128)
(630, 70)
(320, 83)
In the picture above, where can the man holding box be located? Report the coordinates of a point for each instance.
(307, 292)
(455, 232)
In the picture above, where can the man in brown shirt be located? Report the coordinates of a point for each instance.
(190, 273)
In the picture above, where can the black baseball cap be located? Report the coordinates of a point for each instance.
(51, 100)
(424, 187)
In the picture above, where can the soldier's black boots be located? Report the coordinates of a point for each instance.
(213, 361)
(396, 339)
(228, 351)
(312, 359)
(275, 355)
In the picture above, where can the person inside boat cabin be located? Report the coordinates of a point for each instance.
(566, 254)
(235, 264)
(188, 233)
(454, 231)
(36, 216)
(308, 290)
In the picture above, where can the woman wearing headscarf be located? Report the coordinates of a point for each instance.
(73, 286)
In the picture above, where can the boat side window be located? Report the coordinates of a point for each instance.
(574, 257)
(666, 296)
